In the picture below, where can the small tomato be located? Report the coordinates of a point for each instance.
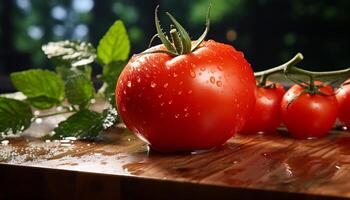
(267, 113)
(343, 97)
(309, 115)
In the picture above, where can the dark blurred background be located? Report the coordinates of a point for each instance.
(269, 32)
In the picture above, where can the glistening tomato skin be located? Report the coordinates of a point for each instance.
(267, 112)
(189, 102)
(343, 97)
(309, 115)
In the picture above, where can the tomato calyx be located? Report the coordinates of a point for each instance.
(311, 87)
(263, 75)
(180, 42)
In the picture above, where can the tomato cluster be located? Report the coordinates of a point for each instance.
(191, 95)
(307, 109)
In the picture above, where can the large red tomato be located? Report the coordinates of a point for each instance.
(309, 115)
(267, 112)
(188, 102)
(343, 97)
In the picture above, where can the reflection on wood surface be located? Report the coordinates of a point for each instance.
(267, 162)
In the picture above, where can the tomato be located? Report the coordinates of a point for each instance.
(309, 115)
(266, 116)
(188, 102)
(343, 97)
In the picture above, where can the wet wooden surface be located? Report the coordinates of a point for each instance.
(272, 164)
(121, 166)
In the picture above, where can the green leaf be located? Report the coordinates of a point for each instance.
(43, 88)
(110, 76)
(79, 90)
(86, 124)
(42, 102)
(115, 44)
(15, 115)
(65, 72)
(72, 53)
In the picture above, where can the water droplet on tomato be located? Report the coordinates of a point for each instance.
(165, 85)
(180, 92)
(181, 82)
(170, 102)
(186, 108)
(177, 116)
(138, 80)
(175, 75)
(153, 84)
(187, 114)
(212, 79)
(123, 108)
(124, 92)
(162, 104)
(160, 95)
(192, 74)
(219, 83)
(128, 84)
(202, 68)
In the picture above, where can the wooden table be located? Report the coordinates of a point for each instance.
(269, 166)
(121, 166)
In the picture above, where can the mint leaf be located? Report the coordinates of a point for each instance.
(110, 76)
(84, 124)
(42, 102)
(43, 88)
(15, 115)
(79, 90)
(65, 72)
(115, 44)
(72, 53)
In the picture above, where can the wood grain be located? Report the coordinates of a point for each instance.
(271, 163)
(271, 166)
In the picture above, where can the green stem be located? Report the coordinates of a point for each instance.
(313, 75)
(55, 113)
(181, 42)
(296, 70)
(263, 75)
(102, 89)
(177, 41)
